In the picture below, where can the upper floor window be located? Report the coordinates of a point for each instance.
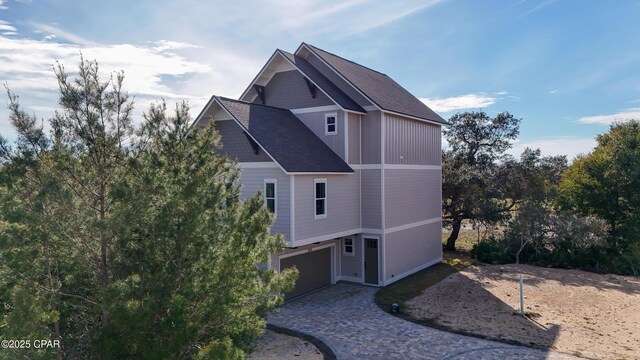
(331, 124)
(320, 197)
(270, 189)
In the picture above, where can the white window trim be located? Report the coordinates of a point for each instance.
(275, 193)
(326, 193)
(353, 247)
(326, 125)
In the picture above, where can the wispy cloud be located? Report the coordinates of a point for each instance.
(539, 5)
(5, 25)
(61, 34)
(627, 114)
(570, 146)
(337, 18)
(468, 101)
(393, 16)
(2, 5)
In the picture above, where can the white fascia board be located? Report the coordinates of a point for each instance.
(249, 134)
(204, 111)
(259, 74)
(257, 165)
(316, 85)
(315, 109)
(303, 45)
(321, 173)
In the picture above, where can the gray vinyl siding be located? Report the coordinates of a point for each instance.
(371, 199)
(351, 266)
(371, 137)
(354, 138)
(289, 90)
(252, 180)
(316, 122)
(412, 196)
(337, 80)
(343, 199)
(412, 142)
(236, 145)
(409, 249)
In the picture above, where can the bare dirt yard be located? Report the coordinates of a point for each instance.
(572, 311)
(275, 346)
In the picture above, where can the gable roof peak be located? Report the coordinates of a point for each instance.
(340, 57)
(378, 88)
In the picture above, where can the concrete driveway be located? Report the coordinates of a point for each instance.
(346, 318)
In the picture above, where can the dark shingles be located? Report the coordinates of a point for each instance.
(330, 88)
(291, 144)
(378, 87)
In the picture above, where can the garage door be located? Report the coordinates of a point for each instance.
(314, 268)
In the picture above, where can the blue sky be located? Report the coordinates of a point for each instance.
(567, 68)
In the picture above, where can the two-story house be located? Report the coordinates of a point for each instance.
(347, 159)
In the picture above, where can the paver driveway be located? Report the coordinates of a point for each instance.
(345, 317)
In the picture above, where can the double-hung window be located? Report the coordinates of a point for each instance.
(348, 247)
(331, 124)
(320, 198)
(270, 189)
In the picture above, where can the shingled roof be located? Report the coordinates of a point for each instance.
(285, 138)
(330, 88)
(378, 87)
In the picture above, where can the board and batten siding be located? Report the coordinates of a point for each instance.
(289, 90)
(371, 137)
(337, 80)
(412, 248)
(354, 138)
(343, 199)
(411, 141)
(316, 122)
(252, 180)
(371, 198)
(412, 195)
(235, 143)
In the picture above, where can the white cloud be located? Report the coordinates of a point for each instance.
(553, 92)
(27, 64)
(628, 114)
(61, 34)
(570, 146)
(308, 18)
(469, 101)
(5, 25)
(164, 45)
(2, 6)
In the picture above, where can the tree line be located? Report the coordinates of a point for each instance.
(547, 212)
(128, 241)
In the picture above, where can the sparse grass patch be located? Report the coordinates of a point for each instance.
(413, 285)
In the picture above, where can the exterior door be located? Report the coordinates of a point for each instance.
(371, 261)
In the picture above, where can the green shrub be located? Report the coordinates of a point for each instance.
(492, 250)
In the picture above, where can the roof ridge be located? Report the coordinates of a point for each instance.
(340, 57)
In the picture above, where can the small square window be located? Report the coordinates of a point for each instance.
(331, 124)
(347, 248)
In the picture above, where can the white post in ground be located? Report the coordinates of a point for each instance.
(521, 298)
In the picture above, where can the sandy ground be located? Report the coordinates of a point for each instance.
(275, 346)
(572, 311)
